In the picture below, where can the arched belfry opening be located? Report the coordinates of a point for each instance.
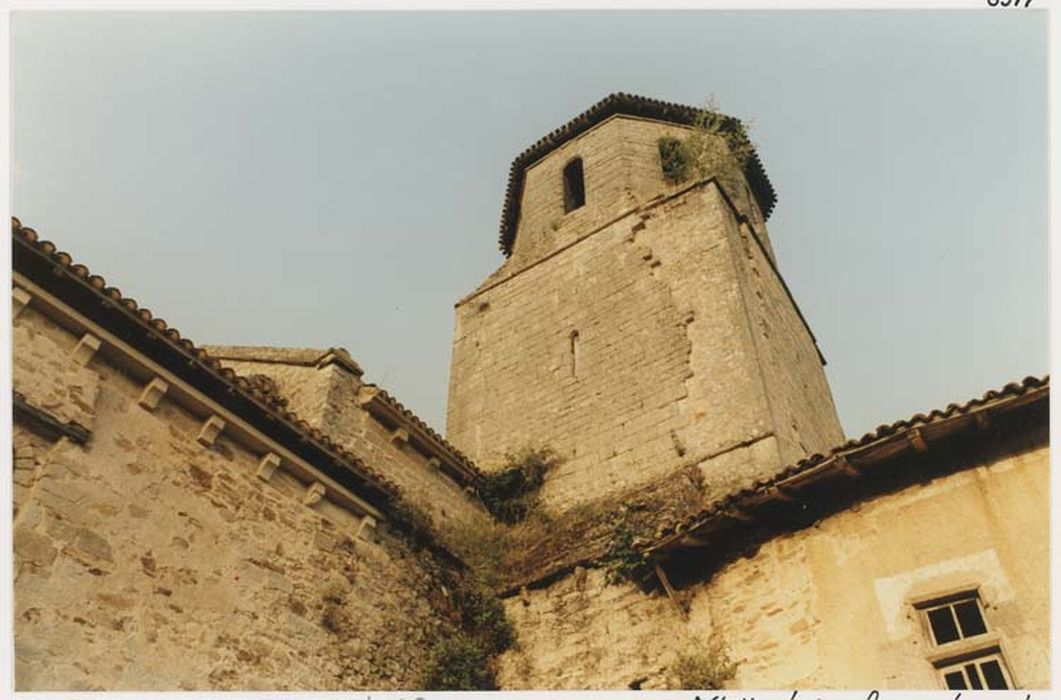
(574, 186)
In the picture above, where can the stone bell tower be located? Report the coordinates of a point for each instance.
(638, 325)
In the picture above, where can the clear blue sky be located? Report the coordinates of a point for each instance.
(329, 179)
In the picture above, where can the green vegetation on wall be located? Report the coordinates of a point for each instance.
(624, 561)
(703, 670)
(466, 660)
(717, 146)
(510, 493)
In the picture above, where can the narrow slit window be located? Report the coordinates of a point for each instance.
(574, 186)
(574, 354)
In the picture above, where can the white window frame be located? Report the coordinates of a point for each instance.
(992, 655)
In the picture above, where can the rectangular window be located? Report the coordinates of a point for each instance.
(955, 618)
(981, 673)
(966, 655)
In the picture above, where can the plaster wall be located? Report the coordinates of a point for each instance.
(825, 607)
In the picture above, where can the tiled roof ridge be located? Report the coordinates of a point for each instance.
(617, 103)
(265, 354)
(720, 506)
(173, 337)
(419, 422)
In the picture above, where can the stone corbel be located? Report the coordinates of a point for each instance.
(86, 348)
(268, 466)
(434, 463)
(211, 429)
(400, 437)
(367, 529)
(20, 299)
(314, 494)
(153, 393)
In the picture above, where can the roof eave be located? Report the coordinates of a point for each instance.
(616, 103)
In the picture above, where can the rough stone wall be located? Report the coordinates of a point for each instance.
(144, 560)
(326, 397)
(825, 607)
(28, 450)
(668, 368)
(46, 375)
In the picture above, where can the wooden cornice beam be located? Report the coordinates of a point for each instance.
(662, 576)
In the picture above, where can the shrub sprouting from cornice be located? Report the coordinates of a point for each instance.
(624, 560)
(717, 146)
(674, 158)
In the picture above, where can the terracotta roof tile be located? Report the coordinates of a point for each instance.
(953, 411)
(158, 327)
(466, 462)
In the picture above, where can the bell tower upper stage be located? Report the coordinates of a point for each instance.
(639, 324)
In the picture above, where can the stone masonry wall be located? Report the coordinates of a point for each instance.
(144, 560)
(668, 369)
(824, 607)
(332, 407)
(621, 169)
(801, 405)
(48, 378)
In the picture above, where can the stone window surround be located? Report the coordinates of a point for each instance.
(949, 655)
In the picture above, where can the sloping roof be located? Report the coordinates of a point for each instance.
(813, 487)
(617, 103)
(305, 357)
(56, 272)
(468, 472)
(916, 433)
